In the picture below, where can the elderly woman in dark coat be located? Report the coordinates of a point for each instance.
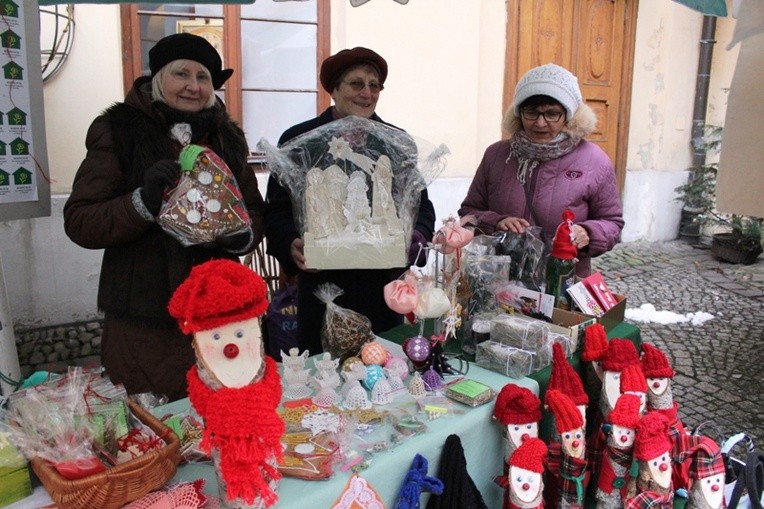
(117, 193)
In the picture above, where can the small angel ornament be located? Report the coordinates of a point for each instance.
(234, 387)
(295, 374)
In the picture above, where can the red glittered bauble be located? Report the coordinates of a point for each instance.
(417, 348)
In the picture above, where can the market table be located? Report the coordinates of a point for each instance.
(480, 436)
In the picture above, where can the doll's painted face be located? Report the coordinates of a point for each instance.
(611, 381)
(525, 484)
(573, 443)
(519, 433)
(597, 366)
(712, 488)
(623, 437)
(657, 386)
(660, 469)
(231, 352)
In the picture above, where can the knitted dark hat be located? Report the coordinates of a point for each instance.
(459, 490)
(531, 455)
(566, 414)
(620, 353)
(595, 343)
(566, 379)
(626, 411)
(216, 293)
(633, 379)
(654, 363)
(652, 438)
(335, 65)
(517, 405)
(562, 246)
(189, 47)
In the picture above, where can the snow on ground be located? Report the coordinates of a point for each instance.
(647, 313)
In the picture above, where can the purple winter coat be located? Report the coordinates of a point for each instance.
(582, 181)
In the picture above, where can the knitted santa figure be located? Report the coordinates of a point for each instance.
(659, 375)
(708, 476)
(652, 450)
(570, 473)
(526, 475)
(519, 412)
(234, 387)
(616, 463)
(633, 382)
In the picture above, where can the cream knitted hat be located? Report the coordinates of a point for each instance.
(552, 80)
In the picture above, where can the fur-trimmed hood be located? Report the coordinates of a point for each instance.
(583, 123)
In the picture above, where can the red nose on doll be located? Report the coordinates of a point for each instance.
(624, 438)
(714, 487)
(575, 444)
(656, 384)
(663, 467)
(526, 486)
(231, 351)
(525, 437)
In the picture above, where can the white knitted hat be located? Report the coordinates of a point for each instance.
(552, 80)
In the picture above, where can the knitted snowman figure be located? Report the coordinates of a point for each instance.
(526, 475)
(570, 473)
(616, 463)
(234, 387)
(652, 449)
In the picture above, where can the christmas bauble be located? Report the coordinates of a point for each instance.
(374, 374)
(374, 353)
(417, 348)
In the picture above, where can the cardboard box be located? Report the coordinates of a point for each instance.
(614, 315)
(571, 324)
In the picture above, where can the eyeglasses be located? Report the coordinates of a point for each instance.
(359, 85)
(550, 116)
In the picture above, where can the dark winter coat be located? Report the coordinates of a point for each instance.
(362, 288)
(142, 265)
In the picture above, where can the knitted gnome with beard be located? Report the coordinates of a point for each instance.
(616, 463)
(234, 387)
(652, 449)
(570, 472)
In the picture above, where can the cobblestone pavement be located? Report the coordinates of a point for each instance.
(719, 365)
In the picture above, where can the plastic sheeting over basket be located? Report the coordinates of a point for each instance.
(355, 186)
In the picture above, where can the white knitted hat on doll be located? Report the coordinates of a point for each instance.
(552, 80)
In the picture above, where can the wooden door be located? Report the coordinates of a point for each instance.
(594, 39)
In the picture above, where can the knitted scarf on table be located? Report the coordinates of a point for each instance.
(242, 424)
(530, 154)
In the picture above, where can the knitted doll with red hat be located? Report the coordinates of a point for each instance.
(614, 473)
(571, 472)
(633, 382)
(660, 397)
(519, 412)
(525, 480)
(708, 476)
(233, 386)
(566, 379)
(595, 347)
(561, 265)
(652, 450)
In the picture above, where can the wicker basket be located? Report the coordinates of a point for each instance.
(118, 485)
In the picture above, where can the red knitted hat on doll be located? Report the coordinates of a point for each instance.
(626, 411)
(654, 363)
(216, 293)
(517, 405)
(595, 343)
(562, 246)
(531, 455)
(566, 413)
(564, 378)
(652, 437)
(633, 379)
(620, 353)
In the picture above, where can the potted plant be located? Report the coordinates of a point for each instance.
(736, 239)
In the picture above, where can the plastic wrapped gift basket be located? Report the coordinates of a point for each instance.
(355, 186)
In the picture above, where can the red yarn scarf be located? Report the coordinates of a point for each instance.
(242, 424)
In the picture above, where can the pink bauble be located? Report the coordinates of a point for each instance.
(374, 353)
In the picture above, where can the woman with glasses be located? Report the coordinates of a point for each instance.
(545, 167)
(354, 78)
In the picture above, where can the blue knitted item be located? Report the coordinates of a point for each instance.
(415, 482)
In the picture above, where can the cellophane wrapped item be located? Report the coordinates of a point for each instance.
(206, 203)
(355, 186)
(344, 331)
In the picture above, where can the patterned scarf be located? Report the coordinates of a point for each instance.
(530, 154)
(242, 424)
(573, 480)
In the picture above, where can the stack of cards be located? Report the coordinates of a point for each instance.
(592, 296)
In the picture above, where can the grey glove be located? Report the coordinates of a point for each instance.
(156, 179)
